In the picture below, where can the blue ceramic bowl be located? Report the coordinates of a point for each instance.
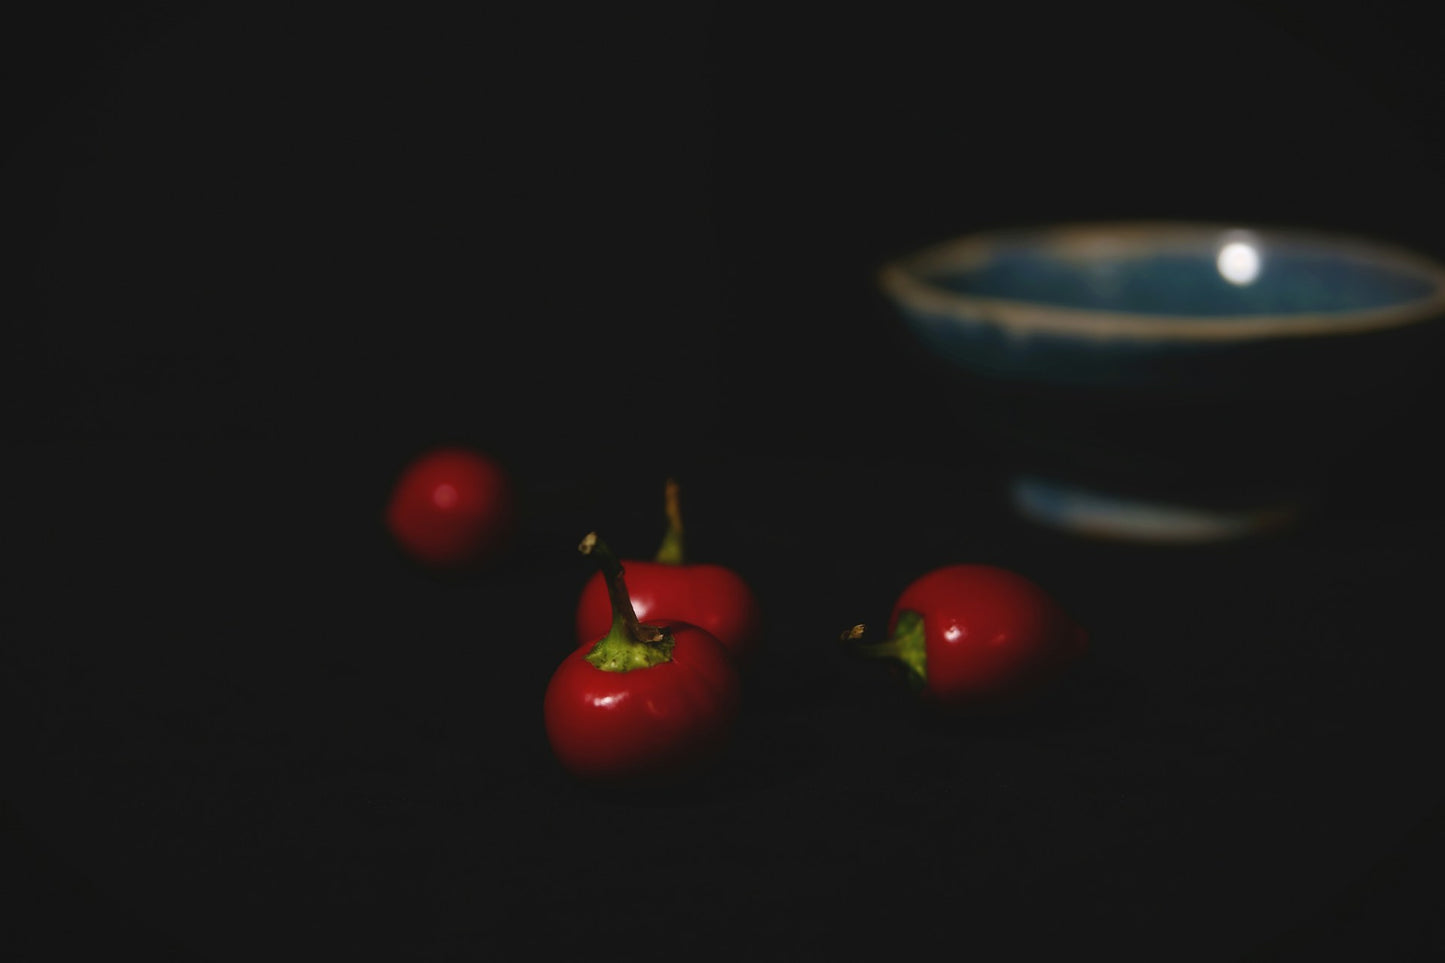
(1171, 381)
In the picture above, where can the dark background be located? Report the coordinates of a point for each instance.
(264, 256)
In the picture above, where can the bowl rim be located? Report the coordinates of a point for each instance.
(905, 279)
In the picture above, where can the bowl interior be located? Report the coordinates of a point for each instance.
(1200, 277)
(1232, 275)
(1183, 307)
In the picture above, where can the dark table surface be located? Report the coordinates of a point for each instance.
(243, 717)
(263, 271)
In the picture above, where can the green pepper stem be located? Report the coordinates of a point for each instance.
(671, 550)
(886, 649)
(907, 644)
(630, 644)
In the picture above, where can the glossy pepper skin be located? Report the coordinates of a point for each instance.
(979, 636)
(712, 597)
(643, 703)
(653, 724)
(452, 507)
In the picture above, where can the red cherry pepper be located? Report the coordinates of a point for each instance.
(712, 597)
(452, 507)
(977, 636)
(645, 702)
